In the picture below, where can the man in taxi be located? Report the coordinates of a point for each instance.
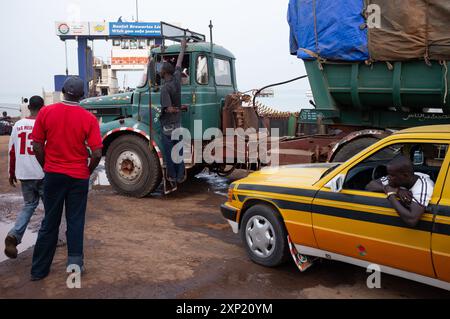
(408, 192)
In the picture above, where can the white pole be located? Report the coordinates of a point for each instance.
(137, 11)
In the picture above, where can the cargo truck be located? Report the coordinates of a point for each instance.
(356, 103)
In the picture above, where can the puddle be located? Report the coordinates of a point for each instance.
(28, 240)
(219, 185)
(10, 205)
(10, 199)
(99, 176)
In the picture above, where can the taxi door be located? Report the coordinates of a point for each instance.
(363, 225)
(440, 238)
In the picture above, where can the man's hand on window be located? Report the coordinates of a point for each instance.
(389, 189)
(405, 196)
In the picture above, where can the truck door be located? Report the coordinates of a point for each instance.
(360, 224)
(204, 106)
(187, 88)
(224, 83)
(440, 238)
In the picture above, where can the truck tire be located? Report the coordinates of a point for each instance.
(264, 235)
(131, 167)
(352, 148)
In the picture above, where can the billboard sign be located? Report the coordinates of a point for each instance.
(139, 29)
(102, 29)
(98, 28)
(72, 28)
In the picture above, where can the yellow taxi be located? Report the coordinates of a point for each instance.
(324, 210)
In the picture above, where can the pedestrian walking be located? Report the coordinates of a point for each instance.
(68, 145)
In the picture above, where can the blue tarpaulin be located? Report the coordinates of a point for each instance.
(331, 29)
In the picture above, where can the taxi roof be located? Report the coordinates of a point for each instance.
(444, 128)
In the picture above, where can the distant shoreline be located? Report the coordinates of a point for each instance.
(11, 108)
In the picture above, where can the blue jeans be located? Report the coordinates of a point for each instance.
(61, 190)
(32, 191)
(175, 171)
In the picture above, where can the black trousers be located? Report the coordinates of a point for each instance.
(61, 191)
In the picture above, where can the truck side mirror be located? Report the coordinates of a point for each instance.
(336, 184)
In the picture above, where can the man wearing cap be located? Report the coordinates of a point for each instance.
(65, 135)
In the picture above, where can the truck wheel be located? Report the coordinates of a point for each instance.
(352, 148)
(264, 236)
(131, 167)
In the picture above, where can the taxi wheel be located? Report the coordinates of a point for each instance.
(264, 236)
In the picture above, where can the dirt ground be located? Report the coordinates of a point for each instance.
(176, 246)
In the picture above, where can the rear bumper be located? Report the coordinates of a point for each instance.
(230, 214)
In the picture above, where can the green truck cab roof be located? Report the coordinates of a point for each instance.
(196, 47)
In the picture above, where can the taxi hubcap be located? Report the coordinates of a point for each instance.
(129, 166)
(260, 236)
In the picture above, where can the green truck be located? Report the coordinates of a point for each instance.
(355, 105)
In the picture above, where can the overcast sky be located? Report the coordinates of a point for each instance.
(256, 32)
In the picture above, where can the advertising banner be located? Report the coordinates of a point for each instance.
(141, 29)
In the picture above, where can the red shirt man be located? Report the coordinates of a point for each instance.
(67, 129)
(62, 135)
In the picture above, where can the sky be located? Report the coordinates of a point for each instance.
(256, 32)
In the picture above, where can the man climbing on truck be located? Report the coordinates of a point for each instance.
(171, 117)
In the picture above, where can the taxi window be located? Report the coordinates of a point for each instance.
(427, 158)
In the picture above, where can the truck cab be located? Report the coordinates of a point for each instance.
(208, 76)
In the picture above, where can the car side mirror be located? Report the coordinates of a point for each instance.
(336, 184)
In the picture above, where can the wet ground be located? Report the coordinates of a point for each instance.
(176, 246)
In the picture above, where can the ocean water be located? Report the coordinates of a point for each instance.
(13, 110)
(287, 100)
(10, 102)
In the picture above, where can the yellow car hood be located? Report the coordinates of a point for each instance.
(289, 175)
